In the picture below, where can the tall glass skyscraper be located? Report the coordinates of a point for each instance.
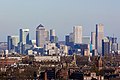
(93, 39)
(24, 36)
(77, 34)
(99, 37)
(105, 46)
(42, 35)
(53, 37)
(52, 32)
(12, 42)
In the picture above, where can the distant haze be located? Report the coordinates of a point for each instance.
(61, 15)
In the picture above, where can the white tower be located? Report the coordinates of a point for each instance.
(77, 34)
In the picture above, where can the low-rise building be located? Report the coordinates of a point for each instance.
(93, 76)
(47, 58)
(8, 61)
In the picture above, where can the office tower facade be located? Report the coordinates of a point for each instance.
(84, 49)
(99, 37)
(105, 46)
(71, 37)
(52, 32)
(86, 39)
(77, 34)
(113, 44)
(12, 42)
(110, 43)
(93, 38)
(42, 35)
(114, 47)
(24, 36)
(53, 37)
(9, 42)
(67, 40)
(46, 35)
(25, 48)
(20, 47)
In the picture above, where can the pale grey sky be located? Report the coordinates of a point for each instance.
(61, 15)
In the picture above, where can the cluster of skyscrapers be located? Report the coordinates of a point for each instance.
(97, 44)
(22, 43)
(47, 43)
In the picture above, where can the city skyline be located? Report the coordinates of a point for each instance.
(48, 32)
(58, 15)
(59, 40)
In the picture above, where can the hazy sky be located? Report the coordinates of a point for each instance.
(61, 15)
